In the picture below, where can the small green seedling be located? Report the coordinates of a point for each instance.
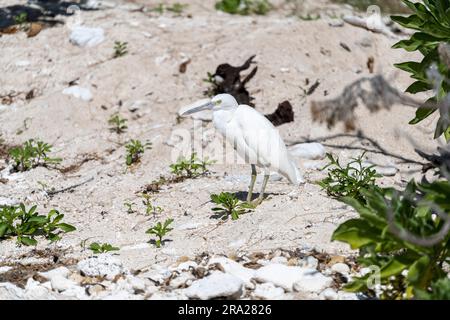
(214, 86)
(120, 49)
(27, 224)
(160, 230)
(348, 181)
(159, 8)
(244, 7)
(135, 150)
(190, 168)
(32, 154)
(177, 8)
(129, 206)
(309, 17)
(229, 205)
(118, 124)
(150, 208)
(21, 18)
(97, 248)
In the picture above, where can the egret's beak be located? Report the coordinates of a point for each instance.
(204, 105)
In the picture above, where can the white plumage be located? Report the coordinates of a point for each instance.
(254, 138)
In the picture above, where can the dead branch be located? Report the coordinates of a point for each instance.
(373, 92)
(53, 192)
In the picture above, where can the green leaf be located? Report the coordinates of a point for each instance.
(3, 229)
(28, 241)
(418, 86)
(94, 246)
(441, 127)
(357, 285)
(421, 114)
(38, 219)
(357, 233)
(418, 40)
(412, 22)
(410, 66)
(53, 237)
(419, 270)
(447, 134)
(66, 227)
(394, 267)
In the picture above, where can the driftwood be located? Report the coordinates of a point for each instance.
(282, 115)
(227, 79)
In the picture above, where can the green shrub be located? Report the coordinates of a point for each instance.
(160, 230)
(190, 168)
(97, 248)
(229, 205)
(135, 150)
(348, 181)
(176, 8)
(118, 124)
(27, 224)
(244, 7)
(120, 49)
(431, 20)
(150, 208)
(402, 234)
(32, 154)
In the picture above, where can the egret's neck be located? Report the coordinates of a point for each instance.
(222, 117)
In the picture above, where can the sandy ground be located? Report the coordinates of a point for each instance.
(147, 81)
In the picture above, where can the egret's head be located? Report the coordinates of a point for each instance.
(224, 102)
(219, 102)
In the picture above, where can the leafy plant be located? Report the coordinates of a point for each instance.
(439, 290)
(160, 230)
(129, 206)
(190, 168)
(176, 8)
(431, 19)
(150, 208)
(348, 181)
(120, 49)
(213, 89)
(32, 154)
(21, 18)
(118, 124)
(97, 248)
(135, 150)
(309, 17)
(27, 224)
(244, 7)
(229, 205)
(403, 234)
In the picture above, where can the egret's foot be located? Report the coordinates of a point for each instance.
(257, 202)
(249, 205)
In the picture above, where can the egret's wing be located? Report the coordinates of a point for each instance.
(258, 133)
(263, 141)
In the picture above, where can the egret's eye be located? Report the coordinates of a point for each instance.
(218, 102)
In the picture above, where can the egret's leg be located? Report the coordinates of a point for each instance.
(263, 188)
(252, 184)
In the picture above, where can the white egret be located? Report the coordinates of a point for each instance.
(252, 136)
